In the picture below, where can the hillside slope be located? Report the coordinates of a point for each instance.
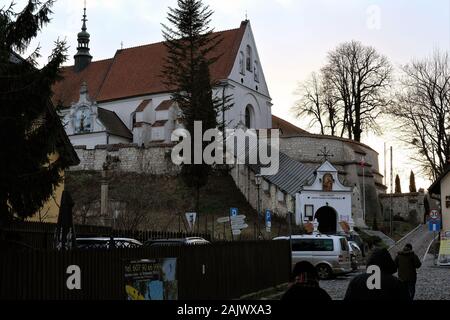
(159, 203)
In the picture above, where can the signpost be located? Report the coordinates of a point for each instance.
(435, 222)
(236, 222)
(191, 217)
(268, 221)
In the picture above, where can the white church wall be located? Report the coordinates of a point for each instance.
(338, 201)
(124, 108)
(162, 115)
(89, 140)
(117, 140)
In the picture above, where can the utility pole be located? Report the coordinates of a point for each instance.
(385, 165)
(392, 191)
(363, 164)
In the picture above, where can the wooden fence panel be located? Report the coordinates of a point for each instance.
(217, 271)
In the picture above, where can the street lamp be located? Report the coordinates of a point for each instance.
(258, 181)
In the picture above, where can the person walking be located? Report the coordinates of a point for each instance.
(391, 287)
(407, 263)
(305, 284)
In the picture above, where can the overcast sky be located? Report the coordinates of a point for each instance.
(293, 37)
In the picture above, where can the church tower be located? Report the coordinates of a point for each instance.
(83, 57)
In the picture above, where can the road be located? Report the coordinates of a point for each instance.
(433, 283)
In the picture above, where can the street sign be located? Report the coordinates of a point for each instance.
(191, 217)
(223, 220)
(240, 226)
(434, 225)
(234, 212)
(434, 215)
(237, 219)
(268, 220)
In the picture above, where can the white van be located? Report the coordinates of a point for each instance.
(329, 254)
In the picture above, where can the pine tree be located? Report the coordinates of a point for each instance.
(29, 127)
(412, 183)
(398, 186)
(190, 44)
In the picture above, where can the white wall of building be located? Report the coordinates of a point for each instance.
(89, 140)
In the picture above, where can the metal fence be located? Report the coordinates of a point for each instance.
(41, 235)
(217, 271)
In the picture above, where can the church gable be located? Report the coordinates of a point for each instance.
(247, 69)
(327, 180)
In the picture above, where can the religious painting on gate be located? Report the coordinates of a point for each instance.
(327, 183)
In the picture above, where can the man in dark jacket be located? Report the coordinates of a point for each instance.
(407, 263)
(305, 284)
(391, 288)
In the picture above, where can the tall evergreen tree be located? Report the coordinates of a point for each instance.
(29, 127)
(398, 186)
(190, 44)
(412, 183)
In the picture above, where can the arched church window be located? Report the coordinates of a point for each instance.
(83, 120)
(249, 59)
(249, 115)
(241, 63)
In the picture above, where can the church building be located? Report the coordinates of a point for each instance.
(120, 107)
(123, 100)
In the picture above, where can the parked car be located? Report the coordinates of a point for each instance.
(329, 254)
(355, 255)
(355, 237)
(176, 242)
(105, 243)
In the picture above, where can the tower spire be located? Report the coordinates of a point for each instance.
(83, 56)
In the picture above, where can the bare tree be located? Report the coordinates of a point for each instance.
(361, 77)
(319, 103)
(423, 111)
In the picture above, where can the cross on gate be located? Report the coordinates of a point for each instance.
(325, 154)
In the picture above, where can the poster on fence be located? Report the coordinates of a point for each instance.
(444, 252)
(154, 279)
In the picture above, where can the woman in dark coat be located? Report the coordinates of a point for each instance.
(408, 263)
(391, 287)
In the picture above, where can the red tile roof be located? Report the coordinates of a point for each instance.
(286, 128)
(137, 71)
(165, 105)
(159, 124)
(143, 105)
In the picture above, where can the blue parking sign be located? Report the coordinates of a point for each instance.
(268, 216)
(234, 212)
(434, 225)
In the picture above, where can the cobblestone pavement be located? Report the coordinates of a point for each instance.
(337, 287)
(433, 283)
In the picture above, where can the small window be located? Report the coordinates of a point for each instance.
(241, 63)
(309, 211)
(133, 120)
(249, 59)
(256, 71)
